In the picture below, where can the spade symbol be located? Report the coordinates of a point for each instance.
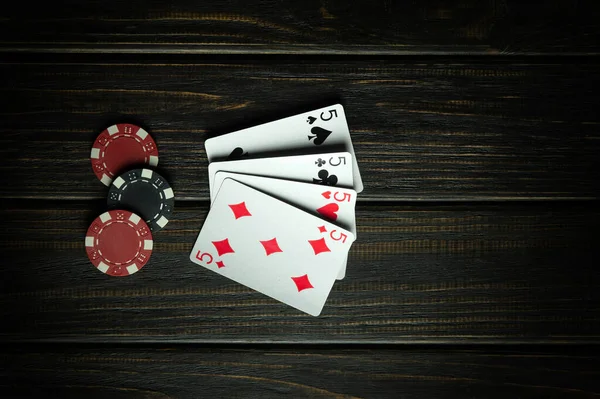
(320, 135)
(325, 179)
(311, 120)
(237, 153)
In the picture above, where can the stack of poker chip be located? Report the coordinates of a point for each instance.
(140, 201)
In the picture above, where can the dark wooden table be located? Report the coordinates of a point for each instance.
(476, 125)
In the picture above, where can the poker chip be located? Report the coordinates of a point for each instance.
(146, 193)
(119, 148)
(118, 243)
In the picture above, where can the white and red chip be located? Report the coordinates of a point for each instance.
(119, 243)
(121, 147)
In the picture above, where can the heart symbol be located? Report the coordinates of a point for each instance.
(326, 194)
(320, 135)
(329, 211)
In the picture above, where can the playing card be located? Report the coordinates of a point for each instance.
(332, 203)
(324, 128)
(333, 169)
(271, 247)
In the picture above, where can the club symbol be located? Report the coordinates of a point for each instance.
(319, 134)
(325, 179)
(320, 162)
(311, 120)
(237, 153)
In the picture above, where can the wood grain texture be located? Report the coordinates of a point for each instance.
(478, 224)
(433, 130)
(188, 372)
(308, 27)
(440, 274)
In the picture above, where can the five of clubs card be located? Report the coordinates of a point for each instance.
(282, 225)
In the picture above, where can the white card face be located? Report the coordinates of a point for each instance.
(332, 169)
(331, 203)
(271, 247)
(325, 129)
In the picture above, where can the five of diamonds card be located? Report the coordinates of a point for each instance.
(282, 225)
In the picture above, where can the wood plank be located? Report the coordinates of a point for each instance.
(443, 130)
(191, 372)
(421, 273)
(309, 27)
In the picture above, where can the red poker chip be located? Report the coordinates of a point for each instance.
(120, 147)
(119, 243)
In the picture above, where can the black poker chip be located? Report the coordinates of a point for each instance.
(146, 193)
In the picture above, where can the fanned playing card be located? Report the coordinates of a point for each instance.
(271, 247)
(332, 203)
(331, 169)
(324, 128)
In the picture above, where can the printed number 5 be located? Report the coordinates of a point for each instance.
(347, 196)
(332, 113)
(340, 160)
(200, 256)
(342, 236)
